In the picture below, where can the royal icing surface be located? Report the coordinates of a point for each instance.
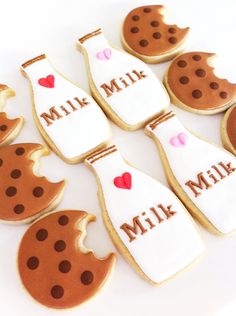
(50, 254)
(145, 31)
(70, 117)
(22, 194)
(207, 174)
(150, 221)
(231, 126)
(125, 83)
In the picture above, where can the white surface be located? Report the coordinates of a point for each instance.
(29, 28)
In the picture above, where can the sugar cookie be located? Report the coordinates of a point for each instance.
(68, 118)
(23, 194)
(54, 265)
(147, 36)
(228, 130)
(9, 128)
(123, 85)
(193, 86)
(202, 175)
(146, 221)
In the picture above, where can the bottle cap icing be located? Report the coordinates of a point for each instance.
(201, 174)
(124, 86)
(68, 118)
(54, 265)
(145, 219)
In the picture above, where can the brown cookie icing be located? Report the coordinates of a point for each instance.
(23, 195)
(7, 127)
(53, 265)
(231, 126)
(193, 82)
(147, 34)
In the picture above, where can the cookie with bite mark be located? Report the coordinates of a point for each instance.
(146, 35)
(228, 130)
(54, 265)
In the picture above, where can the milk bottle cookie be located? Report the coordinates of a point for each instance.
(124, 86)
(146, 221)
(68, 118)
(202, 175)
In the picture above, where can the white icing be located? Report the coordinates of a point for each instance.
(218, 203)
(136, 103)
(163, 250)
(74, 134)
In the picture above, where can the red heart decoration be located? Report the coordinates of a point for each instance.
(47, 82)
(124, 181)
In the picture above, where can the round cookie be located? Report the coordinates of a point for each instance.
(23, 194)
(228, 130)
(193, 86)
(147, 36)
(9, 128)
(55, 267)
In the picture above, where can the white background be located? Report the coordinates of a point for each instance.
(30, 28)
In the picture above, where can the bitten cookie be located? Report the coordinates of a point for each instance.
(193, 86)
(124, 86)
(228, 130)
(9, 128)
(147, 36)
(202, 175)
(24, 195)
(54, 265)
(146, 221)
(67, 117)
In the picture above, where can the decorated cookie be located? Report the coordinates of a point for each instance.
(193, 85)
(9, 128)
(146, 221)
(147, 36)
(23, 194)
(123, 85)
(228, 130)
(68, 118)
(54, 265)
(202, 175)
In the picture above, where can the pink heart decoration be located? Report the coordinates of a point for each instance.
(104, 54)
(179, 141)
(124, 181)
(47, 82)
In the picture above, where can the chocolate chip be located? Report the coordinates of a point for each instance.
(1, 162)
(41, 234)
(33, 263)
(16, 173)
(143, 43)
(86, 277)
(214, 85)
(154, 23)
(20, 151)
(196, 57)
(60, 245)
(223, 94)
(184, 80)
(11, 191)
(64, 266)
(196, 94)
(156, 35)
(147, 10)
(172, 30)
(135, 18)
(3, 128)
(134, 29)
(57, 291)
(19, 208)
(38, 191)
(172, 40)
(63, 220)
(182, 63)
(200, 73)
